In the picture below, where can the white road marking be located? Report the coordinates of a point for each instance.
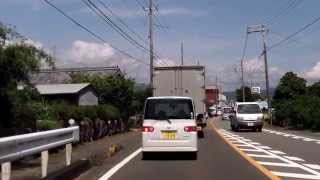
(313, 166)
(260, 156)
(250, 150)
(116, 168)
(254, 143)
(286, 162)
(265, 147)
(295, 175)
(242, 145)
(276, 164)
(277, 152)
(307, 139)
(297, 137)
(293, 158)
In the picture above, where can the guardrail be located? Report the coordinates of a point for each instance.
(16, 147)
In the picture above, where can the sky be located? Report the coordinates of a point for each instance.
(213, 33)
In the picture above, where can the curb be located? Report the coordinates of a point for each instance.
(251, 161)
(70, 172)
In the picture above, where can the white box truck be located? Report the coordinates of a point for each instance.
(188, 81)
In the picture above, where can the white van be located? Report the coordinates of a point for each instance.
(247, 115)
(169, 125)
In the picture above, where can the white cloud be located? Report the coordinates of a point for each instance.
(253, 65)
(88, 54)
(314, 72)
(36, 44)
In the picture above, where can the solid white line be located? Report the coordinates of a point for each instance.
(116, 168)
(295, 175)
(277, 152)
(318, 142)
(308, 139)
(260, 156)
(313, 166)
(293, 158)
(276, 164)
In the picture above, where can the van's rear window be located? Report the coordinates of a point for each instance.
(161, 109)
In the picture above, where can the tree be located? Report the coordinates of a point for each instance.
(17, 61)
(249, 96)
(289, 87)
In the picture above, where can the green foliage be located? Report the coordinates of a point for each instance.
(17, 62)
(249, 97)
(296, 104)
(290, 86)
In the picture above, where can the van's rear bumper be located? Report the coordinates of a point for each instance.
(169, 149)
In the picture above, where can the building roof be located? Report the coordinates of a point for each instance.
(51, 89)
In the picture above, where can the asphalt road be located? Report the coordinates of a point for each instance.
(216, 160)
(288, 155)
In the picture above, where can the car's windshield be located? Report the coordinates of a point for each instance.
(248, 109)
(227, 110)
(161, 109)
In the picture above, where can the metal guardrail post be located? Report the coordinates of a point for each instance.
(68, 154)
(44, 163)
(5, 171)
(16, 147)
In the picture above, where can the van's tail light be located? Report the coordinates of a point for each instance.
(147, 129)
(190, 128)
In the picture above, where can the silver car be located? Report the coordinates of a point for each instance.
(247, 115)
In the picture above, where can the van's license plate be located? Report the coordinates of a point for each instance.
(250, 124)
(168, 135)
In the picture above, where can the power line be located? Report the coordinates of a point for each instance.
(294, 34)
(92, 33)
(121, 21)
(113, 25)
(283, 12)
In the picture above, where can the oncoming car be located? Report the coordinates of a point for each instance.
(169, 125)
(247, 115)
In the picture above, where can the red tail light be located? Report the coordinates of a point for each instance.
(190, 128)
(147, 129)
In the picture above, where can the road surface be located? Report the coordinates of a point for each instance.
(216, 160)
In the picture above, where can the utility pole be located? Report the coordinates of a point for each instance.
(151, 41)
(266, 71)
(242, 80)
(182, 54)
(261, 29)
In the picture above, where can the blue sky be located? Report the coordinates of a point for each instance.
(213, 33)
